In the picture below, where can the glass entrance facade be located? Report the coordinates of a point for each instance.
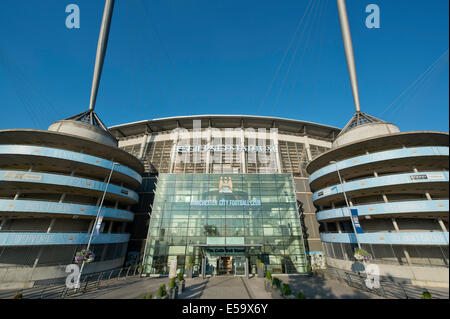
(196, 214)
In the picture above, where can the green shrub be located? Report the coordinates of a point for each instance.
(426, 295)
(149, 296)
(300, 295)
(269, 275)
(18, 296)
(161, 291)
(286, 290)
(172, 283)
(180, 276)
(276, 282)
(144, 297)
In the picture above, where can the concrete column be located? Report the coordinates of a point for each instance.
(441, 223)
(394, 222)
(49, 229)
(36, 261)
(415, 170)
(143, 145)
(63, 196)
(91, 224)
(338, 225)
(105, 248)
(4, 220)
(344, 252)
(332, 205)
(408, 258)
(375, 174)
(308, 149)
(208, 152)
(242, 153)
(428, 196)
(385, 199)
(173, 157)
(110, 227)
(277, 156)
(17, 194)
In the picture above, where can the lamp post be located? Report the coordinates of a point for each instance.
(346, 202)
(96, 220)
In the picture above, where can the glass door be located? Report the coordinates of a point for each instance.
(240, 264)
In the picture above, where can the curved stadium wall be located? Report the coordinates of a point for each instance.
(50, 189)
(399, 185)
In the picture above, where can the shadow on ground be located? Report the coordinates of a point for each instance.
(320, 288)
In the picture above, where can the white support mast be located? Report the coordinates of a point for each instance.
(101, 51)
(347, 38)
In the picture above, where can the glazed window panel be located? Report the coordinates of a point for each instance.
(269, 220)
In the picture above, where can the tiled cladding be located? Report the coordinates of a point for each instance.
(33, 239)
(383, 181)
(23, 150)
(258, 212)
(413, 238)
(44, 207)
(380, 156)
(64, 180)
(405, 207)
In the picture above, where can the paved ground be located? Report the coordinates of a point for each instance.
(317, 288)
(228, 288)
(127, 289)
(232, 288)
(225, 288)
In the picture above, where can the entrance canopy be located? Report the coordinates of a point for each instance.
(226, 250)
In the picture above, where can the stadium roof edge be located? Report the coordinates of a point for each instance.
(218, 116)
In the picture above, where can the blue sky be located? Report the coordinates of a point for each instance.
(182, 57)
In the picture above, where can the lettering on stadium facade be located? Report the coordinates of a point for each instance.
(237, 145)
(226, 202)
(223, 148)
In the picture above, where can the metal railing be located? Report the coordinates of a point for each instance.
(88, 282)
(387, 289)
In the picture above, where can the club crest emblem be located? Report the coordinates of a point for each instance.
(225, 185)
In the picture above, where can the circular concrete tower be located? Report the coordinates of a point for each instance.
(51, 184)
(398, 184)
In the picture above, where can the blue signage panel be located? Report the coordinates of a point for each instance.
(355, 219)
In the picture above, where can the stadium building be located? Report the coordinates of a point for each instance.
(396, 183)
(51, 185)
(225, 191)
